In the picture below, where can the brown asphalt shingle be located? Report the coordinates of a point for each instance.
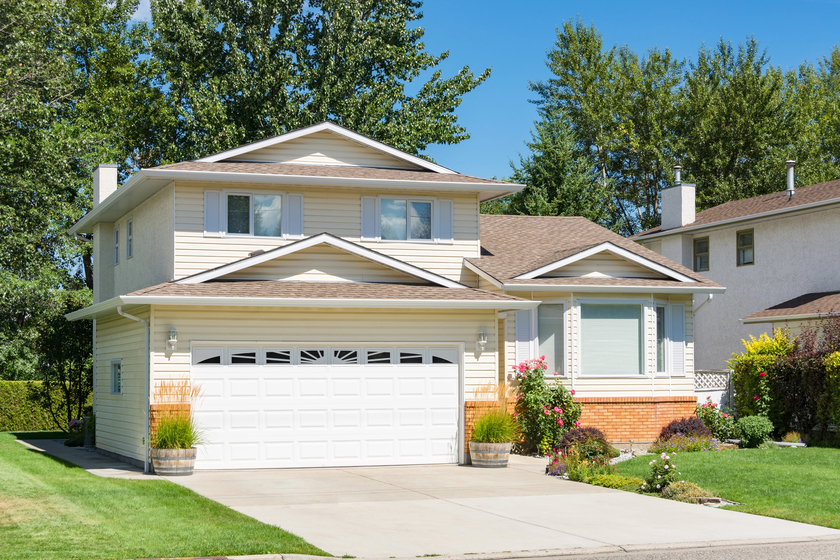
(808, 304)
(514, 245)
(330, 172)
(811, 194)
(320, 290)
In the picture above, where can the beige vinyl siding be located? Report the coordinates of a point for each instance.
(604, 265)
(120, 419)
(325, 148)
(643, 385)
(323, 326)
(153, 248)
(335, 211)
(323, 263)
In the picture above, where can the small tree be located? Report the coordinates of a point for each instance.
(65, 363)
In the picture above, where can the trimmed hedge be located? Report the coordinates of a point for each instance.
(19, 412)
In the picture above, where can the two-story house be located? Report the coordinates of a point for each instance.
(340, 302)
(777, 255)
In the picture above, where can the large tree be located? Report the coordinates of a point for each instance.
(238, 71)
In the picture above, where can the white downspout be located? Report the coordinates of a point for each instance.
(146, 388)
(702, 305)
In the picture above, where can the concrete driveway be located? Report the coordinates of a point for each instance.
(381, 512)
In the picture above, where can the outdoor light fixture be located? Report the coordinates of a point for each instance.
(172, 341)
(482, 340)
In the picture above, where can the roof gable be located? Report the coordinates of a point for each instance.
(603, 264)
(325, 144)
(238, 267)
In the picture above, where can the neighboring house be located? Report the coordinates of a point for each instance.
(343, 303)
(774, 252)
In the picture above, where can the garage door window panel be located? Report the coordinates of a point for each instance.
(278, 356)
(243, 356)
(312, 356)
(411, 356)
(444, 356)
(345, 356)
(378, 356)
(206, 355)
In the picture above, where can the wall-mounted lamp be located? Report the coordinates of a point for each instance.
(172, 341)
(482, 340)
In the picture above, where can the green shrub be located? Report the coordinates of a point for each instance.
(753, 370)
(573, 464)
(685, 427)
(663, 472)
(590, 442)
(545, 410)
(176, 431)
(495, 426)
(20, 411)
(685, 444)
(792, 437)
(754, 430)
(616, 481)
(721, 424)
(683, 491)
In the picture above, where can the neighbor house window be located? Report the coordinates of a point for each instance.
(405, 219)
(116, 245)
(258, 214)
(701, 254)
(129, 238)
(116, 377)
(746, 252)
(660, 339)
(611, 339)
(550, 336)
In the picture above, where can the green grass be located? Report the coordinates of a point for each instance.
(50, 509)
(799, 484)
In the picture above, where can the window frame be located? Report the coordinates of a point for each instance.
(535, 326)
(644, 342)
(408, 201)
(666, 339)
(116, 380)
(695, 254)
(129, 237)
(223, 213)
(739, 248)
(116, 245)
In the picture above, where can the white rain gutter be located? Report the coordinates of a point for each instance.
(683, 289)
(146, 388)
(694, 312)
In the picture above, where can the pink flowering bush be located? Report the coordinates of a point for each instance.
(721, 424)
(663, 472)
(545, 409)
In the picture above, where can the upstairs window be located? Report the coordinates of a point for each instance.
(405, 219)
(255, 214)
(701, 254)
(746, 252)
(129, 238)
(116, 245)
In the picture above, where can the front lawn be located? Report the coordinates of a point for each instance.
(799, 484)
(51, 509)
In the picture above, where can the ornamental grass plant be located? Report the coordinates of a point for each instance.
(176, 427)
(495, 426)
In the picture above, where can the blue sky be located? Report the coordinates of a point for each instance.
(513, 37)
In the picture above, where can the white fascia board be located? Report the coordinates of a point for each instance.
(123, 194)
(335, 129)
(483, 274)
(724, 223)
(327, 239)
(614, 289)
(780, 318)
(614, 249)
(107, 307)
(310, 302)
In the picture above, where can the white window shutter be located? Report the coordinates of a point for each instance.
(294, 217)
(212, 213)
(444, 222)
(524, 336)
(369, 218)
(677, 339)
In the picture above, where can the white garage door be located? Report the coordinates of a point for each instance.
(311, 406)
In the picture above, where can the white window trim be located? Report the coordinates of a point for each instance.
(113, 378)
(535, 344)
(409, 200)
(129, 237)
(116, 245)
(284, 214)
(646, 342)
(667, 338)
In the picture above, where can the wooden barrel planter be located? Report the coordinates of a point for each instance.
(174, 462)
(489, 455)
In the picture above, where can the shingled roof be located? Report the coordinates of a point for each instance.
(804, 306)
(515, 245)
(827, 192)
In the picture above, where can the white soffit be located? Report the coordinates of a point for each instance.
(335, 129)
(610, 248)
(322, 238)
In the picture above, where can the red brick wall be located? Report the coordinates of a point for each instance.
(472, 410)
(639, 419)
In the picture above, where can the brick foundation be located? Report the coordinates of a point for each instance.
(639, 419)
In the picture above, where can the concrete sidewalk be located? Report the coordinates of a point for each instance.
(488, 514)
